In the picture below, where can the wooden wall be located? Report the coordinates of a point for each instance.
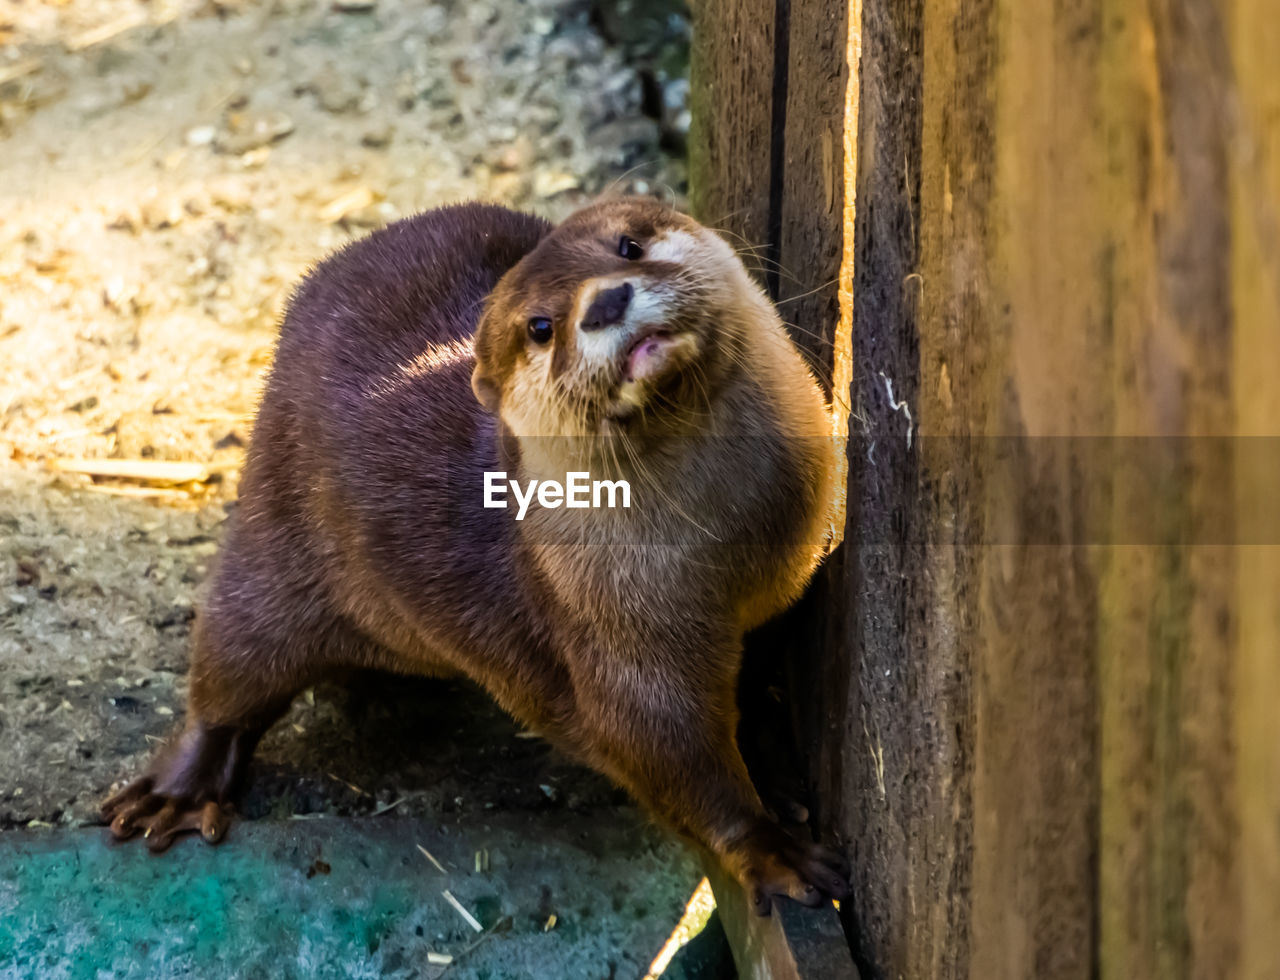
(1038, 688)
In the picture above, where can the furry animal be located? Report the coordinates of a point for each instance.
(628, 343)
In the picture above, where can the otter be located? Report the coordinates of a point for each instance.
(628, 343)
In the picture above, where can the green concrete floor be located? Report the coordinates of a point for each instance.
(354, 897)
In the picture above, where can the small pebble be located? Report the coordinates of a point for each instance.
(247, 132)
(377, 138)
(549, 183)
(336, 93)
(201, 135)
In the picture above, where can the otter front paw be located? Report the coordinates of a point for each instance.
(162, 818)
(770, 863)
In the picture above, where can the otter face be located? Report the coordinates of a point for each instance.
(624, 311)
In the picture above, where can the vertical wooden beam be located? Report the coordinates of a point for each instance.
(1035, 712)
(1040, 683)
(740, 75)
(758, 176)
(1253, 107)
(809, 176)
(1168, 890)
(731, 137)
(1082, 278)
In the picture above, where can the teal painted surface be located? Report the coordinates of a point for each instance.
(73, 906)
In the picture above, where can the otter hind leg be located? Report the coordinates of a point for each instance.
(191, 786)
(243, 678)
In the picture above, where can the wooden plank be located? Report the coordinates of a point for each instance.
(1254, 33)
(149, 470)
(1076, 281)
(1032, 649)
(793, 943)
(741, 74)
(1167, 899)
(1037, 686)
(889, 787)
(810, 198)
(731, 82)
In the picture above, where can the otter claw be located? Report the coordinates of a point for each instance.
(761, 904)
(135, 791)
(162, 819)
(776, 865)
(213, 823)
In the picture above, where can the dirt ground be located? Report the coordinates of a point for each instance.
(169, 169)
(349, 899)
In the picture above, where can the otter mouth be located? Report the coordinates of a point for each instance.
(650, 365)
(648, 355)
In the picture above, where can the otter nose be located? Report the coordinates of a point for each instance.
(608, 307)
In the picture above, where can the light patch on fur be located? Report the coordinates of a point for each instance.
(674, 246)
(648, 308)
(529, 405)
(435, 358)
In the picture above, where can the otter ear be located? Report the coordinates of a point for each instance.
(487, 338)
(486, 391)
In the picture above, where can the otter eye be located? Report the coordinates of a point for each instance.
(629, 248)
(540, 329)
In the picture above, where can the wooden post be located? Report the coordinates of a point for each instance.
(1040, 694)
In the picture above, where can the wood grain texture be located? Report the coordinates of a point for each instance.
(1254, 37)
(1037, 686)
(730, 138)
(793, 943)
(810, 192)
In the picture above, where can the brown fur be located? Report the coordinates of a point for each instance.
(361, 540)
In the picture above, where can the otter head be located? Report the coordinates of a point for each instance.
(621, 315)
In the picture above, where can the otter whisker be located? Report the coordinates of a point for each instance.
(610, 188)
(816, 289)
(653, 485)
